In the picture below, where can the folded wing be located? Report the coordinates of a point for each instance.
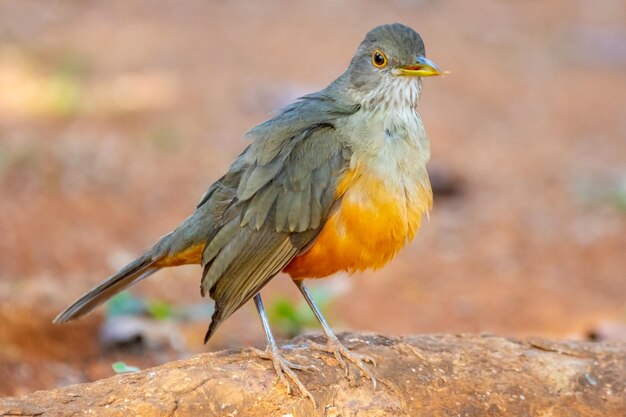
(285, 190)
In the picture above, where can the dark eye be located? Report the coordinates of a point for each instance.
(379, 59)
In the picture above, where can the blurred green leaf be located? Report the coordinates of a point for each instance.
(65, 95)
(66, 85)
(291, 318)
(619, 198)
(122, 368)
(602, 191)
(125, 303)
(160, 310)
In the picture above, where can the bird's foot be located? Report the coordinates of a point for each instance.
(342, 353)
(284, 369)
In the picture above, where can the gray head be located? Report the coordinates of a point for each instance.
(389, 62)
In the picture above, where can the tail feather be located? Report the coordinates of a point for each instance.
(132, 273)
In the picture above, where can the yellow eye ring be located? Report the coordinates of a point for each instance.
(379, 59)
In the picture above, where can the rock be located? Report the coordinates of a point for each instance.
(426, 375)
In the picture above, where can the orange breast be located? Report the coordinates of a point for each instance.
(374, 222)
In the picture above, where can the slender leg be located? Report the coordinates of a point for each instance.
(282, 366)
(333, 345)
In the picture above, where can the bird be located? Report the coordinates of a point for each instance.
(334, 182)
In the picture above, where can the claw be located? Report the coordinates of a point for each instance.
(339, 351)
(284, 370)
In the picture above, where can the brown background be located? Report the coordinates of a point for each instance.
(116, 116)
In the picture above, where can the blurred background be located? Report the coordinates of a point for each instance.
(116, 116)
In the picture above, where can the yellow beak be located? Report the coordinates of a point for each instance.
(423, 67)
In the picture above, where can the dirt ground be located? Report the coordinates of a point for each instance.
(116, 116)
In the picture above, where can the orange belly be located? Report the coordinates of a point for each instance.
(372, 224)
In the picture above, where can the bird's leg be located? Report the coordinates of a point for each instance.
(283, 367)
(333, 345)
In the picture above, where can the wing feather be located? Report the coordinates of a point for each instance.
(281, 191)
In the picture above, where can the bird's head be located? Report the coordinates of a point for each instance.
(388, 66)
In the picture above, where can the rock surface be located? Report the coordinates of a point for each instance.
(426, 375)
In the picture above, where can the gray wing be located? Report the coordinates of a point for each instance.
(286, 190)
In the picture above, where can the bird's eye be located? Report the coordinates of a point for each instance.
(379, 59)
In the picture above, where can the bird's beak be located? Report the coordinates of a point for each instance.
(423, 67)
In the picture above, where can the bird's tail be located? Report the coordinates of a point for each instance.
(140, 268)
